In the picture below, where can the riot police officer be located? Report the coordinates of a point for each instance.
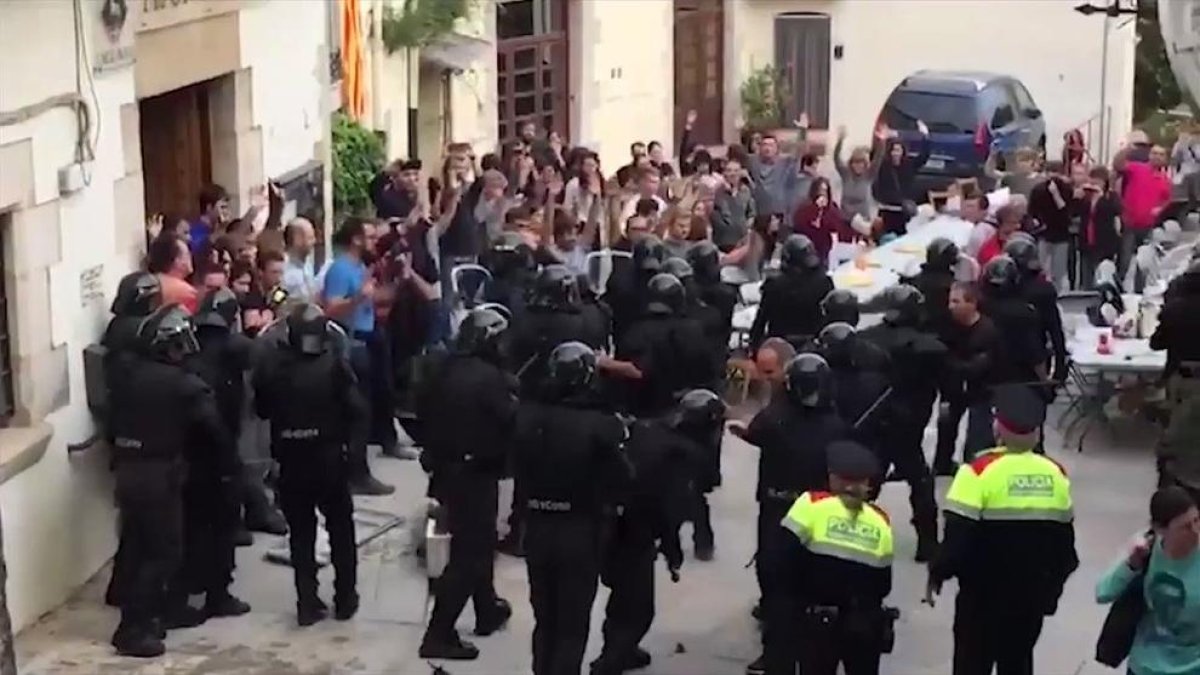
(308, 393)
(917, 361)
(628, 279)
(792, 433)
(791, 302)
(668, 454)
(1039, 292)
(569, 458)
(160, 410)
(860, 383)
(834, 566)
(934, 282)
(555, 315)
(212, 501)
(663, 353)
(705, 259)
(468, 411)
(840, 306)
(513, 266)
(139, 294)
(1022, 356)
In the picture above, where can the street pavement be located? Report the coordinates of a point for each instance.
(703, 625)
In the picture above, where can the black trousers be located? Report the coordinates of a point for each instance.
(702, 530)
(210, 518)
(303, 492)
(149, 495)
(371, 359)
(562, 555)
(995, 635)
(823, 647)
(778, 610)
(470, 502)
(629, 574)
(907, 456)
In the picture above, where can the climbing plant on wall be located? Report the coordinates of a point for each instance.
(358, 156)
(421, 22)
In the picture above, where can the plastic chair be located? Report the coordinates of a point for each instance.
(599, 266)
(468, 283)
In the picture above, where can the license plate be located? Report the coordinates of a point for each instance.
(935, 164)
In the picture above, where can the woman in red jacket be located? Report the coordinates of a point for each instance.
(820, 218)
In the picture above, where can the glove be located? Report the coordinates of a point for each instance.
(674, 574)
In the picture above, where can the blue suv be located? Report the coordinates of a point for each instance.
(969, 114)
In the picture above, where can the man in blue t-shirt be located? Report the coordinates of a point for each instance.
(214, 212)
(348, 297)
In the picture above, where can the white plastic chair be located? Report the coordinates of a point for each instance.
(599, 266)
(469, 283)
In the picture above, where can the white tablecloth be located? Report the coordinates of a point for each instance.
(1132, 356)
(902, 255)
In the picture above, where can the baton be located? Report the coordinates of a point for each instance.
(874, 406)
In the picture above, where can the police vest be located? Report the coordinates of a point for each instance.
(1003, 485)
(827, 527)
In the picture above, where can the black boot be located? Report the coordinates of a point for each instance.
(494, 619)
(450, 648)
(370, 486)
(224, 604)
(345, 608)
(511, 545)
(310, 612)
(269, 522)
(137, 642)
(183, 616)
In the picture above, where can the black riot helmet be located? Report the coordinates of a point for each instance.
(648, 255)
(809, 381)
(665, 295)
(308, 330)
(678, 268)
(138, 294)
(840, 306)
(571, 369)
(836, 342)
(904, 305)
(1001, 276)
(941, 255)
(510, 254)
(168, 334)
(1024, 253)
(799, 254)
(218, 309)
(705, 259)
(480, 334)
(699, 410)
(556, 288)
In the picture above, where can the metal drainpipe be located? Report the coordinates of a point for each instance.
(413, 56)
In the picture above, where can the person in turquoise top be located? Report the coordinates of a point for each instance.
(1168, 637)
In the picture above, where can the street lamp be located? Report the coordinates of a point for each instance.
(1110, 11)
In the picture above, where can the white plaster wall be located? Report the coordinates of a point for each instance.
(624, 84)
(282, 44)
(58, 515)
(473, 113)
(1054, 50)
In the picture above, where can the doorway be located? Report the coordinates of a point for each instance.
(532, 49)
(699, 68)
(176, 149)
(802, 46)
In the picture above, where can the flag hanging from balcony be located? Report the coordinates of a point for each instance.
(354, 95)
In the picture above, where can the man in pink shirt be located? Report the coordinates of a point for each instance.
(1145, 192)
(170, 259)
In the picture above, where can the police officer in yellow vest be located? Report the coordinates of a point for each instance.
(834, 569)
(1010, 541)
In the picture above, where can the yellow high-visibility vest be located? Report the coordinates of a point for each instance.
(1006, 485)
(827, 527)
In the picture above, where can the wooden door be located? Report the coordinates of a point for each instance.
(699, 67)
(532, 66)
(176, 150)
(802, 52)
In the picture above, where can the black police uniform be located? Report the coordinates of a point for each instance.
(138, 295)
(1023, 349)
(626, 286)
(1039, 292)
(666, 458)
(860, 384)
(596, 312)
(835, 601)
(791, 302)
(710, 303)
(840, 306)
(793, 433)
(469, 410)
(916, 375)
(159, 412)
(1179, 324)
(667, 347)
(212, 500)
(512, 264)
(555, 315)
(308, 393)
(934, 281)
(569, 459)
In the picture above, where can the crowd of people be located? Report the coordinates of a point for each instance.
(587, 363)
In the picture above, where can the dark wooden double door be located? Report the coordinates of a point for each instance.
(700, 68)
(176, 150)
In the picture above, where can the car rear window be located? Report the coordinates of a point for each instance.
(943, 113)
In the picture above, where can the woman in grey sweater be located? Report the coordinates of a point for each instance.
(857, 176)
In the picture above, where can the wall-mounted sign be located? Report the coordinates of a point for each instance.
(112, 46)
(157, 14)
(91, 286)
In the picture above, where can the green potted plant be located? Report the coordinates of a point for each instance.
(358, 156)
(762, 94)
